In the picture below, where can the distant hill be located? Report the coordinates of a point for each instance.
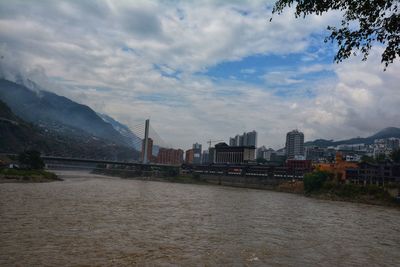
(385, 133)
(53, 111)
(17, 135)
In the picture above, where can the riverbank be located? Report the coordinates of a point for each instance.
(369, 194)
(27, 176)
(335, 192)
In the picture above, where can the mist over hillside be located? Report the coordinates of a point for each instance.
(56, 125)
(50, 110)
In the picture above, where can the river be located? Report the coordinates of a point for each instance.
(94, 220)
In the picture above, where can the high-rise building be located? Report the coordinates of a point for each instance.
(149, 150)
(247, 139)
(295, 145)
(204, 157)
(251, 139)
(260, 152)
(196, 153)
(232, 141)
(241, 140)
(211, 155)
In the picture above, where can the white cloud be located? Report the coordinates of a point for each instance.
(111, 56)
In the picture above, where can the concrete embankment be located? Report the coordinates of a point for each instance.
(268, 183)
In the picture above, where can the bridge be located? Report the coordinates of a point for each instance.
(150, 143)
(52, 159)
(142, 137)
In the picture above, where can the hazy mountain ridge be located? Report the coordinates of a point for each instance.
(385, 133)
(48, 109)
(16, 135)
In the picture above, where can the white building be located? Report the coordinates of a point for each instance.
(294, 144)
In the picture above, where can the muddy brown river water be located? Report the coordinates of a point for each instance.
(93, 220)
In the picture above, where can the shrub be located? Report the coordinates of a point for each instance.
(196, 176)
(315, 180)
(31, 159)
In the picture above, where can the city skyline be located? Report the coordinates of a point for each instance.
(199, 71)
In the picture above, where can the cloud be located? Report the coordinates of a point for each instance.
(281, 78)
(248, 71)
(138, 59)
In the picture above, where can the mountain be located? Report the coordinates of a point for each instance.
(129, 137)
(53, 111)
(17, 135)
(6, 114)
(385, 133)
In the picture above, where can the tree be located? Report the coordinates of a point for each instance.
(380, 158)
(367, 159)
(314, 181)
(31, 159)
(377, 22)
(261, 160)
(395, 156)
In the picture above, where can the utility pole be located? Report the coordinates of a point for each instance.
(146, 141)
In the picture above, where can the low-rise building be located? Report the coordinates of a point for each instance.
(379, 174)
(189, 155)
(170, 156)
(303, 166)
(234, 154)
(338, 168)
(320, 154)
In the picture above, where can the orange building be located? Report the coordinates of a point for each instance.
(338, 168)
(170, 156)
(189, 156)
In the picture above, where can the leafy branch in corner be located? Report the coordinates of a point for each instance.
(365, 23)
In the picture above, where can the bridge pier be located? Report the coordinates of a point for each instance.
(146, 142)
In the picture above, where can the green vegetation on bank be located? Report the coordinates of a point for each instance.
(28, 175)
(322, 185)
(30, 169)
(318, 184)
(31, 160)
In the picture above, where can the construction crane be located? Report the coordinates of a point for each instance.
(213, 141)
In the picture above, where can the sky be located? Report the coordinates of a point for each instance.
(200, 70)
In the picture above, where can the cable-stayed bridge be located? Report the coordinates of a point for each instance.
(147, 141)
(136, 136)
(143, 137)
